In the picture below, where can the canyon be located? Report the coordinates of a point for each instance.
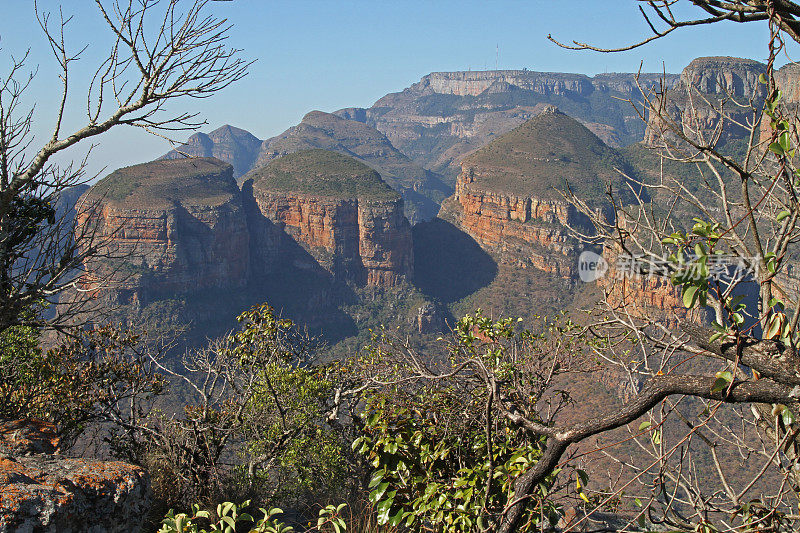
(318, 220)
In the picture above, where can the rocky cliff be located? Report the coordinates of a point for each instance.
(507, 195)
(340, 210)
(712, 98)
(168, 227)
(446, 115)
(421, 189)
(234, 146)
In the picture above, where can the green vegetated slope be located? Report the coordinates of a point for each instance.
(322, 173)
(159, 184)
(547, 154)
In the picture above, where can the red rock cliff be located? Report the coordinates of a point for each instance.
(521, 230)
(172, 226)
(341, 212)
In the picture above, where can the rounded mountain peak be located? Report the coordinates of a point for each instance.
(542, 156)
(322, 173)
(194, 181)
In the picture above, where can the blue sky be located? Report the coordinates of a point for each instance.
(332, 54)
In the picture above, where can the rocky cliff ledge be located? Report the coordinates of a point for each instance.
(171, 226)
(47, 493)
(340, 210)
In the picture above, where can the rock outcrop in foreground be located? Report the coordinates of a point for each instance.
(44, 492)
(350, 221)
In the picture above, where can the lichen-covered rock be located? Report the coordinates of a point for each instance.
(25, 436)
(42, 492)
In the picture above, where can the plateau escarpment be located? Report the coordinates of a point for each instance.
(714, 97)
(446, 115)
(167, 227)
(341, 211)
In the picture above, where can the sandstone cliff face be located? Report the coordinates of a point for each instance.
(474, 83)
(507, 195)
(362, 237)
(421, 189)
(524, 231)
(702, 98)
(48, 493)
(178, 227)
(724, 76)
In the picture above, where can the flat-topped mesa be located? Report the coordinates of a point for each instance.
(171, 226)
(507, 195)
(706, 86)
(341, 211)
(475, 82)
(232, 145)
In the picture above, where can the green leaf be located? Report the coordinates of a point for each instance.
(719, 385)
(726, 375)
(788, 416)
(644, 425)
(715, 336)
(776, 149)
(377, 477)
(699, 250)
(784, 141)
(656, 437)
(690, 296)
(378, 493)
(783, 214)
(383, 512)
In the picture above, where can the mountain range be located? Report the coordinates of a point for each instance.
(437, 199)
